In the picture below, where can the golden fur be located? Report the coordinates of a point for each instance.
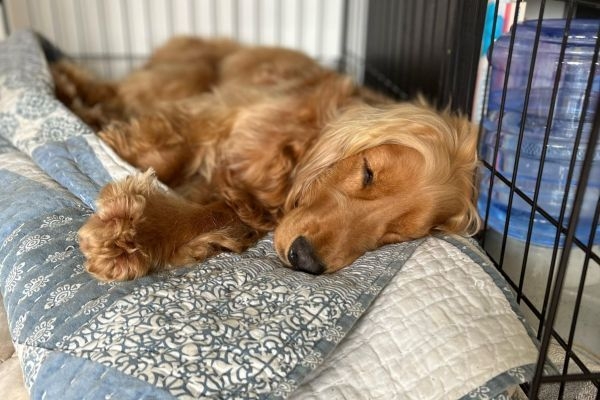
(253, 139)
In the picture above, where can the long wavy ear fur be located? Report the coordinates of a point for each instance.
(463, 174)
(464, 168)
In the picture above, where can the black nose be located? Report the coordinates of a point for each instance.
(302, 257)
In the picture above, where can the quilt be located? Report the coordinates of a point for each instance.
(237, 325)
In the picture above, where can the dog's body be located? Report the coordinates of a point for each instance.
(255, 139)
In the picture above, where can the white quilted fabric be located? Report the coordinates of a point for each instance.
(22, 163)
(115, 166)
(439, 330)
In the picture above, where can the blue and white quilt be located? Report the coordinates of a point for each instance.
(235, 326)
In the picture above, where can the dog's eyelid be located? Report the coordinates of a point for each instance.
(368, 175)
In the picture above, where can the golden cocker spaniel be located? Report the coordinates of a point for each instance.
(253, 139)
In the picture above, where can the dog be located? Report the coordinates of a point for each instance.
(255, 139)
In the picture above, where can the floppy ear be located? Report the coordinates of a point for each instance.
(248, 208)
(242, 199)
(256, 185)
(464, 165)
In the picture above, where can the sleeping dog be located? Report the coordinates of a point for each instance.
(254, 139)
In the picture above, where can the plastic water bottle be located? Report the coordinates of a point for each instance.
(568, 109)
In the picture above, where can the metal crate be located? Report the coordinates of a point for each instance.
(401, 47)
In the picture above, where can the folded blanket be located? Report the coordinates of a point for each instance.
(235, 326)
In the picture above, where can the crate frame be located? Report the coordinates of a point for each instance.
(401, 37)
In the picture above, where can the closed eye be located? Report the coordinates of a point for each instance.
(367, 174)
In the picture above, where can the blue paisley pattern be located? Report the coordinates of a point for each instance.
(33, 105)
(60, 128)
(8, 125)
(235, 326)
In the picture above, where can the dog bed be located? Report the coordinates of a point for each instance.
(427, 319)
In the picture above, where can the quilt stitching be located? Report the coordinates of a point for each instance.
(223, 315)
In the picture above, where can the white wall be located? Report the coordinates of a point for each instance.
(2, 27)
(552, 9)
(114, 35)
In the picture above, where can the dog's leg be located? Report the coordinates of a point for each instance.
(140, 228)
(153, 141)
(175, 142)
(94, 101)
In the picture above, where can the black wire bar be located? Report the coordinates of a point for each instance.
(569, 240)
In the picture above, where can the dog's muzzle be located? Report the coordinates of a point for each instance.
(302, 257)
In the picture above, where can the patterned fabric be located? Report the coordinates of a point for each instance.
(448, 296)
(235, 326)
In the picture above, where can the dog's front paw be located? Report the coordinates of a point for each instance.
(110, 239)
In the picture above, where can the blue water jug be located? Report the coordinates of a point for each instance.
(567, 114)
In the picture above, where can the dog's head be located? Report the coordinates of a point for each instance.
(379, 175)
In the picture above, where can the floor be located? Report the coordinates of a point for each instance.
(11, 376)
